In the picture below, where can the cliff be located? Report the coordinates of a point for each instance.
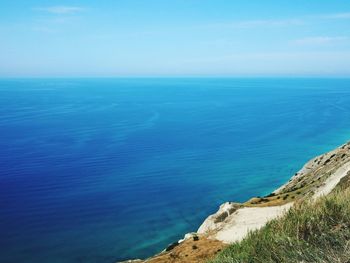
(234, 221)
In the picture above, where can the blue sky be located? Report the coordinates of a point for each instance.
(174, 38)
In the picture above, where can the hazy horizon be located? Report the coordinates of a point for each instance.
(178, 39)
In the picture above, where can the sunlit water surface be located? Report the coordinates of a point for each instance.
(100, 170)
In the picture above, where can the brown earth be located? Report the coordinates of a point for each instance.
(189, 251)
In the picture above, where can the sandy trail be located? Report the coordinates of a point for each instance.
(248, 219)
(332, 181)
(237, 225)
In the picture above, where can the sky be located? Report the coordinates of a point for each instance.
(111, 38)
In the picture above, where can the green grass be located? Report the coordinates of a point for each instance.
(310, 232)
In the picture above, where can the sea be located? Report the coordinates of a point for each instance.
(99, 170)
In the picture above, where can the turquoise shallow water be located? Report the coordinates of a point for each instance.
(100, 170)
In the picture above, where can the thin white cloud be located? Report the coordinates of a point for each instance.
(319, 40)
(56, 18)
(260, 23)
(345, 15)
(60, 10)
(279, 22)
(268, 22)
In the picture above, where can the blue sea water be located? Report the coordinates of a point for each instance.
(101, 170)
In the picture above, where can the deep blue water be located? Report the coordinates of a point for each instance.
(100, 170)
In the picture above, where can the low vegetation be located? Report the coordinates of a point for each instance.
(316, 231)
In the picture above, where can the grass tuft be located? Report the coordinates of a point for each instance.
(310, 232)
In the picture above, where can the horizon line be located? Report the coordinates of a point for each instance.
(171, 76)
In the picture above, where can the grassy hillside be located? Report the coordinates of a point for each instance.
(310, 232)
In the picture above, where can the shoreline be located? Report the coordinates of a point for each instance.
(233, 221)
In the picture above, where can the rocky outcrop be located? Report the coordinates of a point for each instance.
(237, 225)
(217, 220)
(317, 170)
